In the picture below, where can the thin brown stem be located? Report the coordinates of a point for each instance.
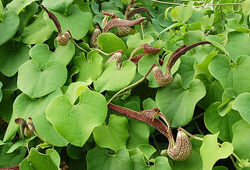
(121, 23)
(54, 19)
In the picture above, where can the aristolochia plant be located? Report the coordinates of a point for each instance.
(124, 85)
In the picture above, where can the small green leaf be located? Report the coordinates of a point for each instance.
(61, 6)
(246, 7)
(192, 37)
(37, 32)
(105, 39)
(113, 78)
(100, 159)
(222, 124)
(182, 13)
(238, 44)
(159, 163)
(41, 54)
(76, 21)
(9, 26)
(231, 75)
(75, 89)
(76, 122)
(114, 135)
(241, 104)
(12, 58)
(211, 152)
(136, 40)
(178, 107)
(89, 68)
(241, 138)
(18, 5)
(36, 82)
(39, 161)
(10, 159)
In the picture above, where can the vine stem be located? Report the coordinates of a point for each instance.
(132, 85)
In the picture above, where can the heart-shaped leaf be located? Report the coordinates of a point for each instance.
(105, 39)
(12, 58)
(177, 103)
(241, 104)
(42, 55)
(18, 6)
(211, 152)
(241, 138)
(113, 78)
(68, 22)
(36, 82)
(10, 159)
(231, 75)
(37, 32)
(58, 6)
(24, 107)
(136, 40)
(9, 26)
(222, 124)
(114, 135)
(39, 161)
(100, 159)
(89, 68)
(76, 122)
(238, 44)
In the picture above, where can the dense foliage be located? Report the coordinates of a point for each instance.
(68, 91)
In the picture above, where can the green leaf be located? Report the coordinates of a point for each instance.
(6, 104)
(76, 122)
(222, 124)
(75, 89)
(12, 57)
(186, 69)
(61, 6)
(192, 37)
(89, 68)
(241, 104)
(241, 137)
(37, 32)
(211, 152)
(113, 78)
(41, 54)
(105, 40)
(100, 159)
(24, 107)
(246, 7)
(39, 161)
(9, 26)
(76, 21)
(18, 5)
(36, 82)
(237, 44)
(231, 75)
(182, 13)
(1, 94)
(114, 135)
(136, 40)
(10, 159)
(178, 107)
(1, 12)
(159, 163)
